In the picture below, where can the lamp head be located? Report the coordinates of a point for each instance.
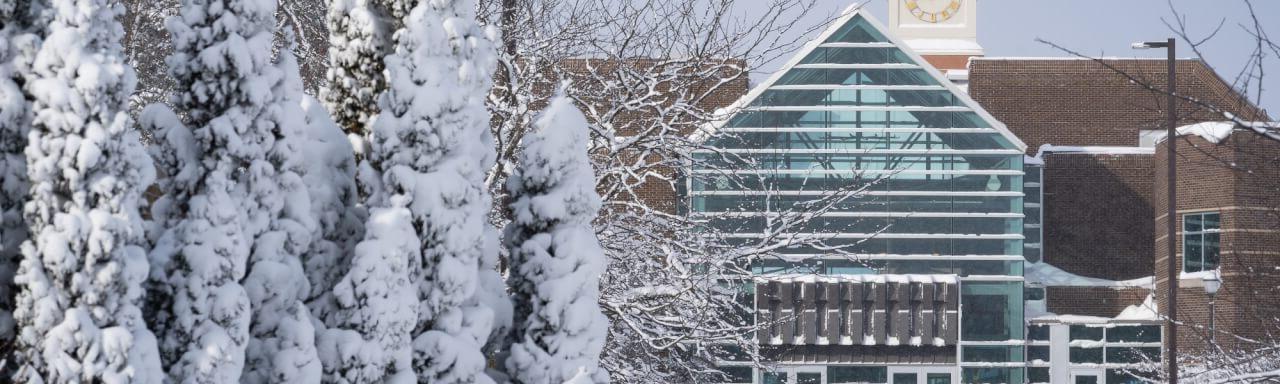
(1212, 283)
(1150, 44)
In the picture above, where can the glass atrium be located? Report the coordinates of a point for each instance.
(919, 180)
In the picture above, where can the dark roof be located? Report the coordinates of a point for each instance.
(863, 354)
(1070, 101)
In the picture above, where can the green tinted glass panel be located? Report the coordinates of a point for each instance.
(857, 119)
(1038, 352)
(838, 374)
(1124, 376)
(862, 55)
(1038, 332)
(1086, 355)
(1037, 375)
(844, 76)
(991, 375)
(1130, 355)
(914, 182)
(854, 97)
(904, 378)
(857, 30)
(877, 245)
(1084, 332)
(737, 374)
(991, 354)
(863, 267)
(1134, 334)
(858, 140)
(958, 204)
(773, 378)
(808, 378)
(991, 311)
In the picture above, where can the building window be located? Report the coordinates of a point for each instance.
(851, 374)
(1201, 234)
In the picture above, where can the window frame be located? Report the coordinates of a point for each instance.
(1201, 234)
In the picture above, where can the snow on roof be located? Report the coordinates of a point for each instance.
(1216, 131)
(1211, 131)
(1093, 150)
(1072, 319)
(810, 278)
(1051, 276)
(1145, 311)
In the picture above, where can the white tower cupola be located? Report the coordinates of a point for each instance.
(944, 32)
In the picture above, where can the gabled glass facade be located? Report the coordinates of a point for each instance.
(927, 185)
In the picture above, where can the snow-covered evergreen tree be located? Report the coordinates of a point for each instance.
(429, 148)
(282, 348)
(13, 174)
(556, 260)
(377, 304)
(82, 270)
(22, 25)
(220, 165)
(359, 38)
(330, 179)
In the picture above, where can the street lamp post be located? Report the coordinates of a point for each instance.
(1171, 332)
(1211, 285)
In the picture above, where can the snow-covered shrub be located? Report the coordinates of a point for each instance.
(14, 108)
(358, 41)
(556, 260)
(83, 268)
(282, 348)
(430, 148)
(224, 200)
(330, 179)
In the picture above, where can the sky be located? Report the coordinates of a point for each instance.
(1104, 28)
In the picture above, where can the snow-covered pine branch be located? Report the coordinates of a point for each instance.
(82, 271)
(428, 150)
(215, 161)
(330, 179)
(432, 144)
(556, 261)
(282, 347)
(359, 38)
(17, 42)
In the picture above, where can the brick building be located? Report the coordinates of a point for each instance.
(1022, 219)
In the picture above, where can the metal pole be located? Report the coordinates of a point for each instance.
(1172, 219)
(1213, 334)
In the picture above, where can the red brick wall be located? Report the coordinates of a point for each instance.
(1238, 178)
(1093, 301)
(945, 62)
(1095, 210)
(1082, 102)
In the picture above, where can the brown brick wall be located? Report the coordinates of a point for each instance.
(1095, 210)
(945, 62)
(1093, 301)
(1082, 102)
(1238, 178)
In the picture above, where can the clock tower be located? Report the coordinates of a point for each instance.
(944, 32)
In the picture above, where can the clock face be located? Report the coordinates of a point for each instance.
(933, 11)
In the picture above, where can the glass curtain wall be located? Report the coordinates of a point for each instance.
(924, 184)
